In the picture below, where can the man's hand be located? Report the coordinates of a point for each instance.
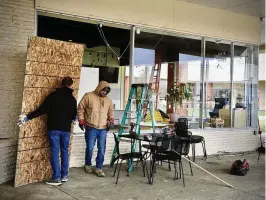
(22, 120)
(110, 124)
(82, 125)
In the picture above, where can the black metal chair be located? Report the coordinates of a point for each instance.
(181, 129)
(178, 147)
(126, 156)
(181, 146)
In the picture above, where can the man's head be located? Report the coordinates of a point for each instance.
(67, 82)
(104, 91)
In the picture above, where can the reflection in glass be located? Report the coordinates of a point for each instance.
(217, 83)
(174, 61)
(244, 87)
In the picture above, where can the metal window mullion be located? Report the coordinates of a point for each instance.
(231, 84)
(202, 80)
(132, 54)
(131, 63)
(206, 79)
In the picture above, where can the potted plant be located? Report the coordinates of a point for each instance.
(175, 96)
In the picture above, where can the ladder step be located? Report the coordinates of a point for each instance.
(135, 99)
(124, 140)
(125, 126)
(139, 85)
(130, 112)
(131, 118)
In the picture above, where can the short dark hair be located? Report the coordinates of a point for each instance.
(67, 81)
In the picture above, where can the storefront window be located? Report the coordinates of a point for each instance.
(224, 90)
(217, 83)
(176, 61)
(242, 83)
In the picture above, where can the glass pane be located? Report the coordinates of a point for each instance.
(189, 73)
(262, 78)
(241, 83)
(177, 63)
(217, 84)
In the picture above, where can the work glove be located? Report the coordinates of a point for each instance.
(110, 124)
(22, 120)
(74, 121)
(82, 125)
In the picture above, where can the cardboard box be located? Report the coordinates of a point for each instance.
(217, 122)
(240, 118)
(225, 115)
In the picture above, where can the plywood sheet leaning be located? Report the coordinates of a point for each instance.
(48, 61)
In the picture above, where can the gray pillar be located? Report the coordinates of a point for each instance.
(231, 84)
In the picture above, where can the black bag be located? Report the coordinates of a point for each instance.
(239, 168)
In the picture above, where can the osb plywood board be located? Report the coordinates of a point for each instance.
(48, 61)
(34, 81)
(33, 97)
(33, 143)
(33, 172)
(35, 127)
(46, 50)
(33, 155)
(47, 69)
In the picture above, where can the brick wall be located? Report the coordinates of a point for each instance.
(16, 25)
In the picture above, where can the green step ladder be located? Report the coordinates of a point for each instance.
(139, 93)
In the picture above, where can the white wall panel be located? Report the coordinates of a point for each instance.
(178, 16)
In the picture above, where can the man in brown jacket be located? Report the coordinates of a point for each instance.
(95, 113)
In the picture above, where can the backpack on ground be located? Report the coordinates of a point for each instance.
(239, 168)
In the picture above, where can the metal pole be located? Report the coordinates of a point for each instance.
(131, 58)
(207, 172)
(255, 73)
(231, 84)
(206, 86)
(175, 77)
(202, 80)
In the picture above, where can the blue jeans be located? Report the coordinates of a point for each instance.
(59, 140)
(91, 135)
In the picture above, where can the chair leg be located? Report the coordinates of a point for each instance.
(182, 173)
(169, 166)
(147, 171)
(190, 166)
(193, 151)
(204, 149)
(152, 171)
(176, 173)
(116, 167)
(118, 172)
(143, 167)
(129, 163)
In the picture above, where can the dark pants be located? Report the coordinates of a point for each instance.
(59, 140)
(91, 135)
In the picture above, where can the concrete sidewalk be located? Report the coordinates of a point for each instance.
(201, 186)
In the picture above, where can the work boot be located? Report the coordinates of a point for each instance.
(64, 179)
(88, 169)
(54, 182)
(99, 173)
